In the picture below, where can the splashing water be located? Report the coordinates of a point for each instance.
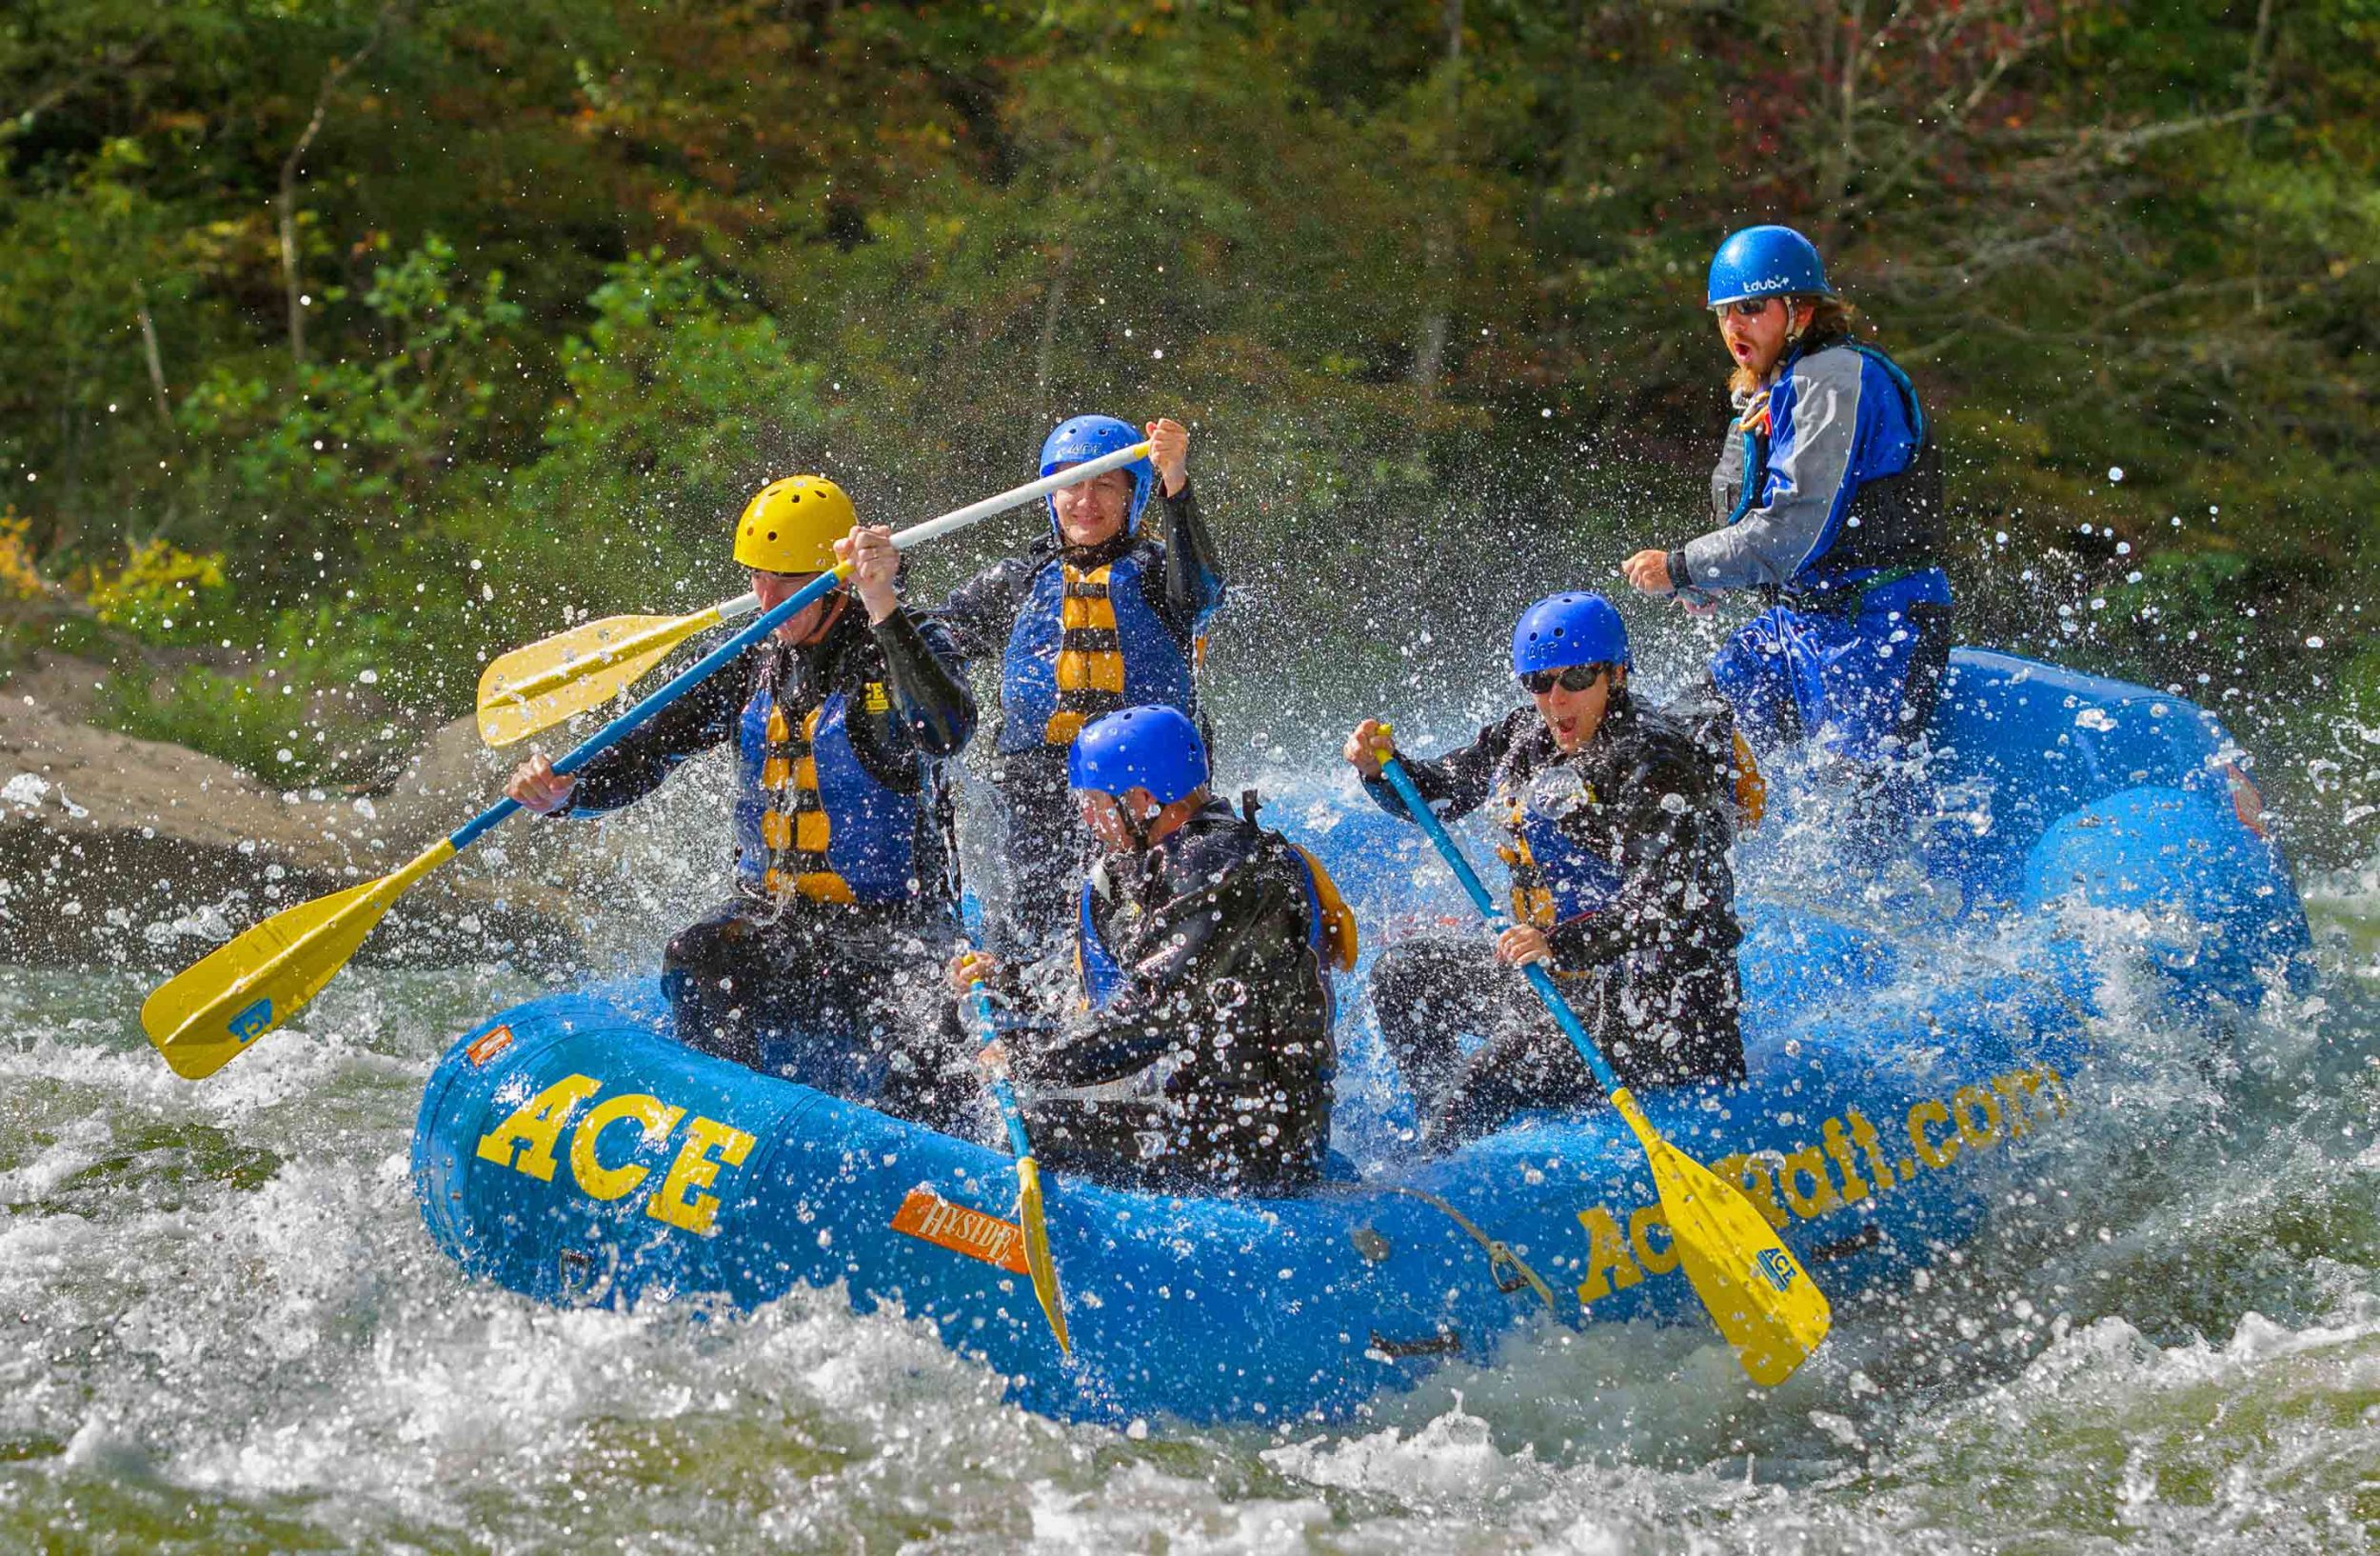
(226, 1327)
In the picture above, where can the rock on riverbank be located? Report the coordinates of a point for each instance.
(133, 852)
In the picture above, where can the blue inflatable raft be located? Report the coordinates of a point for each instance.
(571, 1150)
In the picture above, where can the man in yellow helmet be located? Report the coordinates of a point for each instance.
(845, 866)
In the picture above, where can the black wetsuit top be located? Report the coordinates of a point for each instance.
(1224, 1005)
(1654, 803)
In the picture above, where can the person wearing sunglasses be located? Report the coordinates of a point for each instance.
(1615, 821)
(1828, 502)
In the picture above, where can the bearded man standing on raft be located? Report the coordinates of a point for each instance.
(845, 874)
(1617, 823)
(1828, 500)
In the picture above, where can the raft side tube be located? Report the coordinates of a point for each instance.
(1866, 1139)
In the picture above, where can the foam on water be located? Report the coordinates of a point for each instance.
(226, 1327)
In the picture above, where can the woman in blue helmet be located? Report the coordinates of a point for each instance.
(1828, 501)
(1616, 820)
(1097, 615)
(1195, 1052)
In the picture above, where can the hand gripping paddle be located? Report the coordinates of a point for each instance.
(210, 1012)
(1763, 1302)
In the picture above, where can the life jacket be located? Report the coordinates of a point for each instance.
(1330, 929)
(1752, 788)
(1088, 641)
(810, 819)
(1712, 723)
(1891, 529)
(1555, 877)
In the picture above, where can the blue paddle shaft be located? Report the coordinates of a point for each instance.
(980, 1003)
(1541, 980)
(818, 588)
(636, 718)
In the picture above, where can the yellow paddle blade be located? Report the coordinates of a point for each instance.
(537, 688)
(1763, 1302)
(1037, 1259)
(207, 1015)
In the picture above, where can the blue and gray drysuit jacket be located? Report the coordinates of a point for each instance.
(1829, 492)
(841, 799)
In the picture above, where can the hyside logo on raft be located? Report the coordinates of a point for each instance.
(526, 1143)
(930, 1218)
(1849, 1161)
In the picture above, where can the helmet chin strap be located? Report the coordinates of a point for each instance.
(826, 622)
(1136, 827)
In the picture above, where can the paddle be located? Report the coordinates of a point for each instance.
(210, 1012)
(1029, 1218)
(534, 688)
(1763, 1302)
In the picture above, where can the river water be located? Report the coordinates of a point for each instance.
(227, 1330)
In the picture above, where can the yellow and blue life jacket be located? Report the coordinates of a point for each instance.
(810, 819)
(1554, 876)
(1087, 642)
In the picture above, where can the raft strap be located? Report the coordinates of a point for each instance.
(1512, 1272)
(1443, 1343)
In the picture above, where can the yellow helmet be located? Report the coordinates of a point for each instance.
(791, 526)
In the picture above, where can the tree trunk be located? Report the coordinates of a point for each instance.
(1855, 55)
(285, 200)
(1438, 254)
(148, 349)
(1045, 350)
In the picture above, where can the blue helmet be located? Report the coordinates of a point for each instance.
(1766, 262)
(1087, 437)
(1156, 748)
(1565, 630)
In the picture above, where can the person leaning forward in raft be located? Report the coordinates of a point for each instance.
(844, 860)
(1617, 821)
(1198, 1056)
(1828, 498)
(1097, 615)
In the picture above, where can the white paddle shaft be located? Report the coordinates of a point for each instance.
(1021, 495)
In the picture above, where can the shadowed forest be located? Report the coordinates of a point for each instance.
(342, 344)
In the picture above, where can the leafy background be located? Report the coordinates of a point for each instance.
(342, 344)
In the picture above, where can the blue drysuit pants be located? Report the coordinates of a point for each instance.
(1861, 684)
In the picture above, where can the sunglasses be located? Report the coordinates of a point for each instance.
(1577, 678)
(1744, 308)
